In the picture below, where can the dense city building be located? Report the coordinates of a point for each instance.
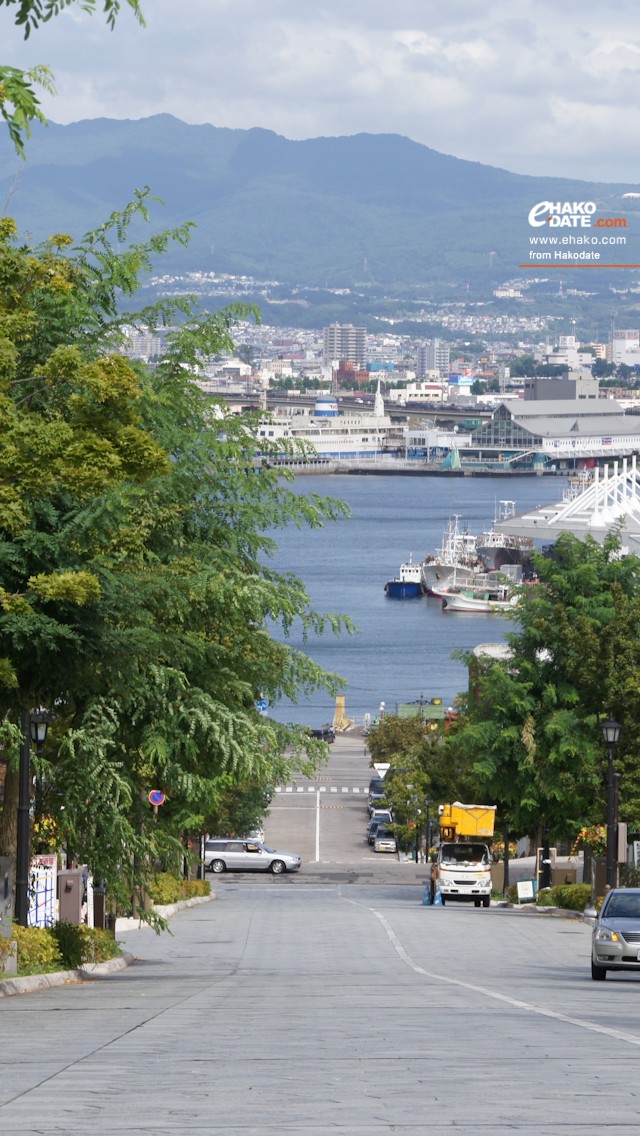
(343, 341)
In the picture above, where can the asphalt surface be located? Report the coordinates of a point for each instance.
(335, 1005)
(315, 1010)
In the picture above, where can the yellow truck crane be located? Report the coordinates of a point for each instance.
(462, 867)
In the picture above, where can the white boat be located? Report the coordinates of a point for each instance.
(328, 434)
(457, 556)
(487, 597)
(497, 548)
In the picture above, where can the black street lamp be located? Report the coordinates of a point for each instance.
(611, 733)
(34, 728)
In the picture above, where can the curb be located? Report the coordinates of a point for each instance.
(34, 982)
(165, 910)
(558, 912)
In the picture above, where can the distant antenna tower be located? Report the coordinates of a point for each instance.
(560, 289)
(365, 266)
(492, 258)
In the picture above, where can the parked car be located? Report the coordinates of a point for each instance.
(376, 801)
(375, 828)
(247, 856)
(384, 841)
(615, 942)
(382, 814)
(256, 834)
(325, 734)
(376, 785)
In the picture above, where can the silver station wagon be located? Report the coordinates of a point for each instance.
(247, 856)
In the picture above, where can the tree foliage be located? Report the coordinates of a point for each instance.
(136, 594)
(19, 102)
(531, 736)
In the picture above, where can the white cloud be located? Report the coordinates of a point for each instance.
(534, 86)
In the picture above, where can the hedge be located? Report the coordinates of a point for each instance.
(65, 946)
(573, 897)
(166, 888)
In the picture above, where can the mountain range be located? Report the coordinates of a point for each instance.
(325, 211)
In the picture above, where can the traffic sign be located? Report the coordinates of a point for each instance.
(157, 797)
(261, 706)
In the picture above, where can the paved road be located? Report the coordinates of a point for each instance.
(282, 1010)
(324, 819)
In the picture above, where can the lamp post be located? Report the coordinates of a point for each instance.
(611, 733)
(34, 728)
(427, 827)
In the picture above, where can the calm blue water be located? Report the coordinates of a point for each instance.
(403, 649)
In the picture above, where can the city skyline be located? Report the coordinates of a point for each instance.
(531, 88)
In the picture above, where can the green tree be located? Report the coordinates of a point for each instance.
(136, 594)
(531, 733)
(19, 102)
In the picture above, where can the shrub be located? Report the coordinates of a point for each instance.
(169, 889)
(79, 944)
(165, 888)
(573, 897)
(37, 950)
(191, 888)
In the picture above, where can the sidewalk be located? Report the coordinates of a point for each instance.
(33, 982)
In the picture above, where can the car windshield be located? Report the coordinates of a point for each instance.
(267, 849)
(464, 854)
(623, 907)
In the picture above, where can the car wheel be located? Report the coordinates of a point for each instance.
(217, 866)
(476, 902)
(598, 973)
(486, 901)
(278, 867)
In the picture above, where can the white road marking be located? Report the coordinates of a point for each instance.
(318, 827)
(333, 789)
(528, 1007)
(288, 789)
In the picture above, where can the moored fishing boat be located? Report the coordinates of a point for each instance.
(496, 548)
(457, 556)
(407, 585)
(496, 597)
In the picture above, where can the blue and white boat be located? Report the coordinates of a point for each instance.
(407, 585)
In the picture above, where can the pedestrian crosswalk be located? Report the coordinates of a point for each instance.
(358, 790)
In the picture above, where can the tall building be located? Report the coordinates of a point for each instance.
(433, 356)
(344, 341)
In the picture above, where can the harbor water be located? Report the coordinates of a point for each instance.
(403, 649)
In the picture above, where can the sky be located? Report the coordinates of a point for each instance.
(545, 87)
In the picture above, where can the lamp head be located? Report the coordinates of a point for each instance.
(610, 731)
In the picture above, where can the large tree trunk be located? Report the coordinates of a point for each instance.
(9, 817)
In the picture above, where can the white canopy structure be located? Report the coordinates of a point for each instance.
(612, 498)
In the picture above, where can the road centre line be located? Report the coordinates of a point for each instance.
(528, 1007)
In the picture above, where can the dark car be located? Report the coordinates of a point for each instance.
(376, 828)
(324, 734)
(615, 943)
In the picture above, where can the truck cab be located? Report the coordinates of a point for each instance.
(463, 871)
(462, 868)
